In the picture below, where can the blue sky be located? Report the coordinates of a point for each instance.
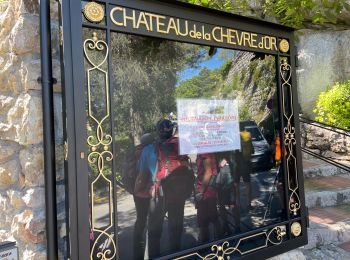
(213, 63)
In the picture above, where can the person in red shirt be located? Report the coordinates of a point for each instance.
(206, 197)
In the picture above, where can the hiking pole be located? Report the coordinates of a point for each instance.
(272, 192)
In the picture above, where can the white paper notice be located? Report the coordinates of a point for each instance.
(208, 125)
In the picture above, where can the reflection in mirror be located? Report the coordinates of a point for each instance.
(198, 149)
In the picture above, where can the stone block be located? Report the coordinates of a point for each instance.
(26, 118)
(6, 102)
(9, 173)
(29, 227)
(5, 235)
(32, 162)
(7, 132)
(15, 199)
(35, 197)
(25, 36)
(4, 203)
(10, 75)
(3, 6)
(291, 255)
(8, 149)
(31, 71)
(34, 255)
(28, 6)
(37, 224)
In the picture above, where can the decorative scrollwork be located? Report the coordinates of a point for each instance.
(100, 146)
(224, 250)
(289, 137)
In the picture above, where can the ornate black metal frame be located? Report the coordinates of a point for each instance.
(83, 151)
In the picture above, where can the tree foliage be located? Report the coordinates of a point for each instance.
(333, 106)
(201, 86)
(294, 13)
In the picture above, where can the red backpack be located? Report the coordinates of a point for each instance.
(174, 179)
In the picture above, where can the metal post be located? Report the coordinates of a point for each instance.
(49, 134)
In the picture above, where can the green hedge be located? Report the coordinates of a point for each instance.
(333, 106)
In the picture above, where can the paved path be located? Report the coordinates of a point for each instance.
(262, 184)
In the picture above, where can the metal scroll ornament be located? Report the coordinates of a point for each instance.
(289, 137)
(225, 250)
(100, 150)
(94, 12)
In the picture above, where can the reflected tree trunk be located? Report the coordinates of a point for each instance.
(136, 127)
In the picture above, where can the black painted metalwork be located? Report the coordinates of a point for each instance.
(75, 109)
(330, 128)
(49, 134)
(325, 126)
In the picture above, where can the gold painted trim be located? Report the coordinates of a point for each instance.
(65, 148)
(284, 46)
(100, 151)
(61, 39)
(224, 250)
(289, 137)
(94, 12)
(296, 229)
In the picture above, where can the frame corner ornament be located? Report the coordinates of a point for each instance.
(296, 229)
(284, 46)
(94, 12)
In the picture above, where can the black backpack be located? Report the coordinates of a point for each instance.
(223, 182)
(178, 182)
(130, 168)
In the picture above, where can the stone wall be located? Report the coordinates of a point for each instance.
(324, 59)
(22, 199)
(325, 142)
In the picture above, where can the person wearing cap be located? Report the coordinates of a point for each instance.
(152, 160)
(142, 198)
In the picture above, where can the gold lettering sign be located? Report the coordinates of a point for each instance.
(159, 24)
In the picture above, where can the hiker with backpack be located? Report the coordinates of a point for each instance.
(206, 197)
(224, 184)
(137, 185)
(244, 166)
(172, 183)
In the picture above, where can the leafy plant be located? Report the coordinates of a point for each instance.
(333, 106)
(294, 13)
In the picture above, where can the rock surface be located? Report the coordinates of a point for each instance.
(324, 59)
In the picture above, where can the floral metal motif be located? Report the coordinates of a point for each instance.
(225, 250)
(100, 151)
(289, 137)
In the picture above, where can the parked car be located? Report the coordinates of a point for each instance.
(262, 158)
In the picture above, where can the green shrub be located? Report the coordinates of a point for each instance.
(333, 106)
